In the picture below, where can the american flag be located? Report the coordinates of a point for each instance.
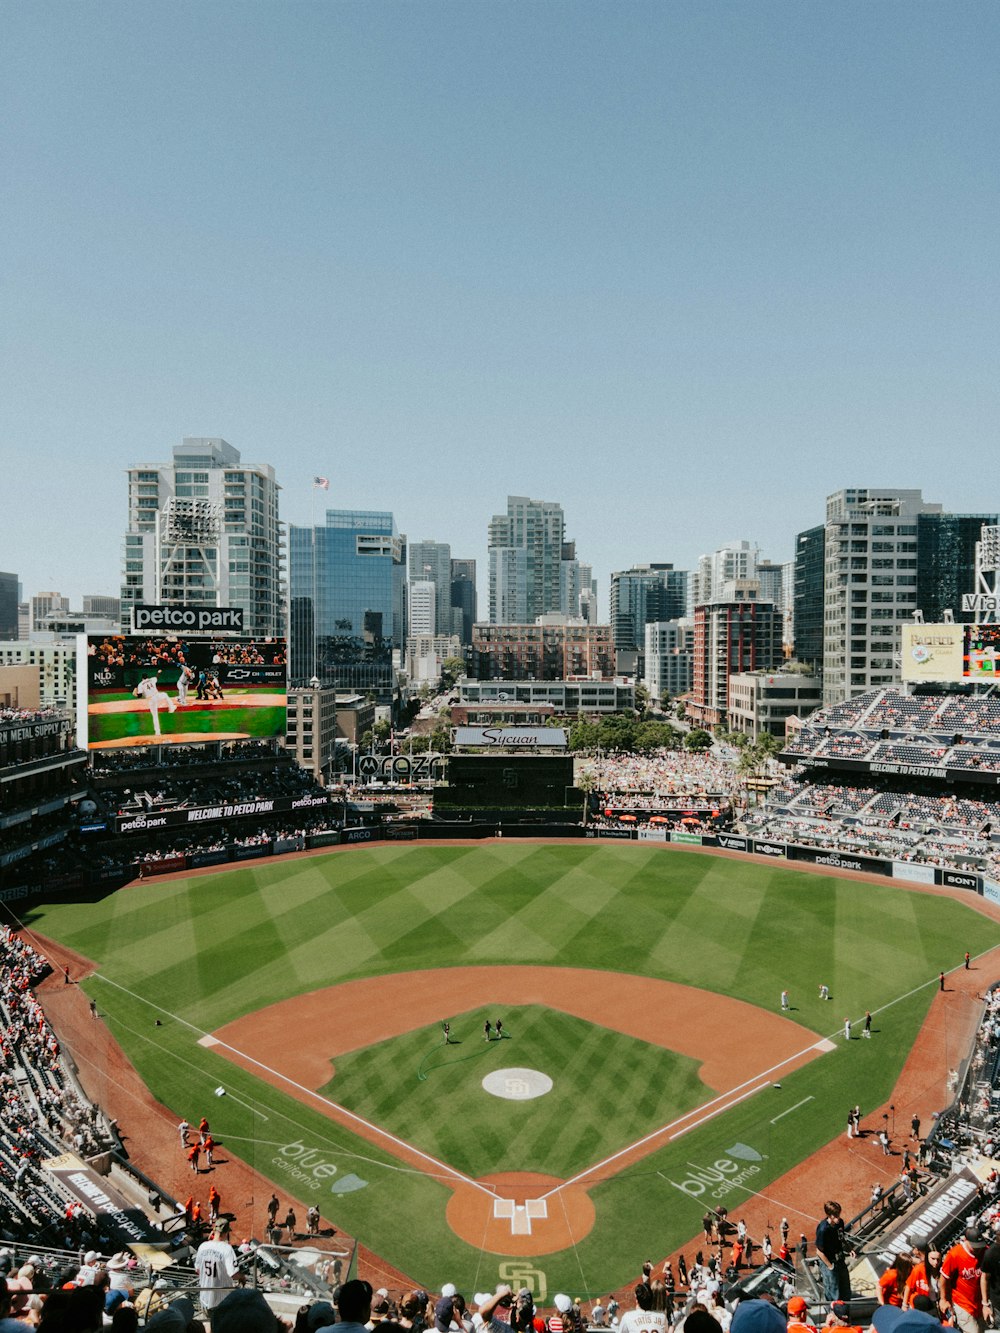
(321, 483)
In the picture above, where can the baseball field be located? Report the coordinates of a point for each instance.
(645, 1069)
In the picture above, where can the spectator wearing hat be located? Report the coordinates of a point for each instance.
(176, 1316)
(798, 1316)
(757, 1316)
(893, 1319)
(961, 1281)
(245, 1311)
(217, 1268)
(320, 1314)
(563, 1318)
(840, 1317)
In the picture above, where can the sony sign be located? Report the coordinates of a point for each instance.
(512, 738)
(187, 619)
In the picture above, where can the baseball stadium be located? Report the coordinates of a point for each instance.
(524, 1050)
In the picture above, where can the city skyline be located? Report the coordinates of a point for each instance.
(684, 269)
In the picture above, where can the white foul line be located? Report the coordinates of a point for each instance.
(792, 1108)
(721, 1103)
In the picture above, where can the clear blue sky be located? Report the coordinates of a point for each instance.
(683, 267)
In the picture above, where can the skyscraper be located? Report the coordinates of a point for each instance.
(430, 562)
(734, 560)
(807, 619)
(733, 632)
(8, 606)
(203, 531)
(526, 552)
(887, 554)
(464, 600)
(641, 596)
(346, 582)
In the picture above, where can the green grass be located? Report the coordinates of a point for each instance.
(254, 720)
(197, 953)
(558, 1134)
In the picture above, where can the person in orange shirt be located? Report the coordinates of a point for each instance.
(798, 1316)
(925, 1278)
(892, 1283)
(961, 1282)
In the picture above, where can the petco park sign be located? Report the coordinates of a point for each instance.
(512, 738)
(187, 619)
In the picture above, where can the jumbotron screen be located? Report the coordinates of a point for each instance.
(167, 690)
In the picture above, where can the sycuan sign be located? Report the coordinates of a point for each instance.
(512, 738)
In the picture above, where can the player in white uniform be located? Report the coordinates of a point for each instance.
(149, 689)
(184, 682)
(215, 1264)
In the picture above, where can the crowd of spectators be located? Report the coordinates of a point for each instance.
(663, 775)
(44, 1112)
(110, 763)
(11, 714)
(158, 653)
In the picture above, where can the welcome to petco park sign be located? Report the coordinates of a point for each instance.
(512, 738)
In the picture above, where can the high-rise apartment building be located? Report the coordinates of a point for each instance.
(734, 632)
(551, 649)
(888, 554)
(644, 595)
(44, 605)
(347, 606)
(422, 604)
(464, 601)
(526, 553)
(8, 607)
(731, 562)
(430, 562)
(668, 657)
(203, 531)
(807, 614)
(99, 604)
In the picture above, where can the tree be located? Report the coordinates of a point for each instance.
(586, 784)
(681, 709)
(381, 732)
(452, 668)
(698, 739)
(665, 700)
(441, 739)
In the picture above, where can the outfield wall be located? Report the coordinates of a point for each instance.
(905, 871)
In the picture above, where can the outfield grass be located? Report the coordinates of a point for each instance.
(199, 952)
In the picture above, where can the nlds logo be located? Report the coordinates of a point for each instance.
(104, 677)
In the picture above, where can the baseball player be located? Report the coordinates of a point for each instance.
(184, 682)
(149, 689)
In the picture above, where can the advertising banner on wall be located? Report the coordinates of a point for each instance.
(959, 879)
(932, 652)
(206, 814)
(913, 873)
(174, 690)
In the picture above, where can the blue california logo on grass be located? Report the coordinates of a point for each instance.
(717, 1178)
(744, 1153)
(348, 1184)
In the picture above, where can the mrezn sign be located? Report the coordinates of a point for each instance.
(187, 619)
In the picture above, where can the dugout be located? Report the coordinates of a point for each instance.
(488, 787)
